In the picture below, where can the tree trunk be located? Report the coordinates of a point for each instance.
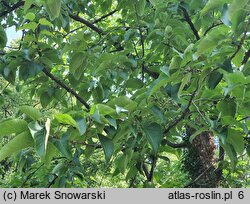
(199, 161)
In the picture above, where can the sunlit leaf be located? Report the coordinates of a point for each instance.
(11, 126)
(21, 141)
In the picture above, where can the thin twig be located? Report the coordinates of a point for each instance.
(203, 117)
(95, 21)
(211, 27)
(105, 16)
(246, 57)
(67, 88)
(30, 175)
(87, 23)
(184, 113)
(13, 8)
(153, 165)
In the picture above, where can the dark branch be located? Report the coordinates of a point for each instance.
(53, 181)
(72, 31)
(190, 23)
(105, 16)
(87, 23)
(12, 8)
(153, 165)
(145, 169)
(68, 89)
(246, 57)
(174, 145)
(96, 21)
(211, 27)
(31, 174)
(184, 113)
(155, 75)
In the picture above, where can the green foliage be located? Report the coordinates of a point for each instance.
(31, 112)
(21, 141)
(108, 147)
(11, 126)
(154, 135)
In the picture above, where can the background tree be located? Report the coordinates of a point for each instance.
(145, 83)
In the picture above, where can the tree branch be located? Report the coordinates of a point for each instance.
(246, 57)
(211, 27)
(87, 23)
(105, 16)
(95, 21)
(30, 175)
(172, 125)
(155, 75)
(145, 169)
(53, 181)
(174, 145)
(12, 8)
(153, 165)
(189, 21)
(184, 113)
(68, 89)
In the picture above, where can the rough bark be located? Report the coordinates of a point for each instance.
(199, 161)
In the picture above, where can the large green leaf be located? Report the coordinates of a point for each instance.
(214, 79)
(77, 64)
(235, 138)
(158, 83)
(53, 8)
(105, 110)
(227, 108)
(39, 135)
(107, 145)
(45, 99)
(230, 151)
(29, 69)
(31, 112)
(27, 5)
(81, 122)
(122, 162)
(11, 126)
(66, 119)
(212, 39)
(122, 132)
(154, 134)
(133, 83)
(62, 145)
(50, 153)
(21, 141)
(124, 102)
